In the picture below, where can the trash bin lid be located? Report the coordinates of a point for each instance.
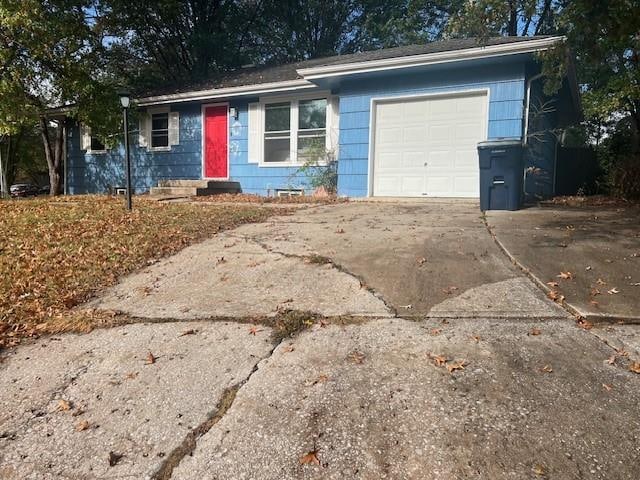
(503, 142)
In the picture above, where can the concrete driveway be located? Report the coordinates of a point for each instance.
(429, 356)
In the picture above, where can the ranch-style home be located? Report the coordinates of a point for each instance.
(401, 122)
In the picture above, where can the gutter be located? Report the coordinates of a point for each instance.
(527, 46)
(244, 90)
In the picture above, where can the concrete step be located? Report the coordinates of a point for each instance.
(207, 184)
(208, 188)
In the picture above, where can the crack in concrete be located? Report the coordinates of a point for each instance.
(317, 259)
(190, 442)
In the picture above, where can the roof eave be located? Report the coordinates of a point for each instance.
(489, 51)
(226, 92)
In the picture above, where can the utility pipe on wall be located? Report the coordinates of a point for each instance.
(527, 107)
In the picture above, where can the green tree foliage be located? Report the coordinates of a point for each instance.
(487, 18)
(167, 42)
(51, 55)
(605, 37)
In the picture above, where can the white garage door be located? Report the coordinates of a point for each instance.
(427, 146)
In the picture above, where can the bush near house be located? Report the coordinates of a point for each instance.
(56, 253)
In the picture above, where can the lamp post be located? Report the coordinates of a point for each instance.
(125, 100)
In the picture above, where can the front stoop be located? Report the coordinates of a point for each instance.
(194, 188)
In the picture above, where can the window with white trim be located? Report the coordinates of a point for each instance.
(294, 131)
(97, 146)
(277, 132)
(160, 130)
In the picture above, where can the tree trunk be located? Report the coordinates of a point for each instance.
(53, 152)
(513, 19)
(4, 183)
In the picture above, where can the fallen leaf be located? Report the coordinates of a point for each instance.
(191, 331)
(553, 284)
(83, 425)
(407, 307)
(555, 296)
(435, 331)
(310, 458)
(457, 365)
(114, 458)
(535, 331)
(450, 290)
(588, 268)
(323, 323)
(595, 303)
(594, 292)
(634, 367)
(357, 357)
(340, 230)
(322, 378)
(585, 324)
(64, 405)
(547, 369)
(601, 282)
(613, 291)
(421, 260)
(565, 275)
(150, 359)
(621, 352)
(612, 359)
(607, 387)
(539, 470)
(131, 375)
(288, 349)
(438, 360)
(220, 260)
(254, 329)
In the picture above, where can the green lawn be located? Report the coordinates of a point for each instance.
(56, 253)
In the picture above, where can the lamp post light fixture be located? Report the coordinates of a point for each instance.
(125, 101)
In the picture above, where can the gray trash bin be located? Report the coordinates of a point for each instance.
(501, 174)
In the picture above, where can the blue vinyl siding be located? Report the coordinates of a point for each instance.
(97, 173)
(506, 84)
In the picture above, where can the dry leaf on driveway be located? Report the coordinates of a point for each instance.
(457, 365)
(357, 357)
(634, 367)
(553, 284)
(83, 425)
(607, 387)
(547, 369)
(565, 275)
(64, 405)
(613, 291)
(310, 458)
(438, 360)
(191, 331)
(449, 290)
(534, 331)
(254, 329)
(539, 470)
(150, 359)
(435, 331)
(555, 296)
(421, 260)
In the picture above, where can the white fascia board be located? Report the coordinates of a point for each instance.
(526, 46)
(216, 93)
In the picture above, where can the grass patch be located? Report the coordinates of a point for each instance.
(56, 253)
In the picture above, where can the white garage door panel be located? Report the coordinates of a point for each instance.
(427, 146)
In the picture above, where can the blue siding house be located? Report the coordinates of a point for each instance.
(402, 122)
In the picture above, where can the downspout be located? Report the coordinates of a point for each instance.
(65, 191)
(525, 139)
(527, 106)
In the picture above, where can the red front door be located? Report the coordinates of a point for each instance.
(215, 142)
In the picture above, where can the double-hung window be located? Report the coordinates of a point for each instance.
(277, 132)
(160, 130)
(294, 131)
(312, 129)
